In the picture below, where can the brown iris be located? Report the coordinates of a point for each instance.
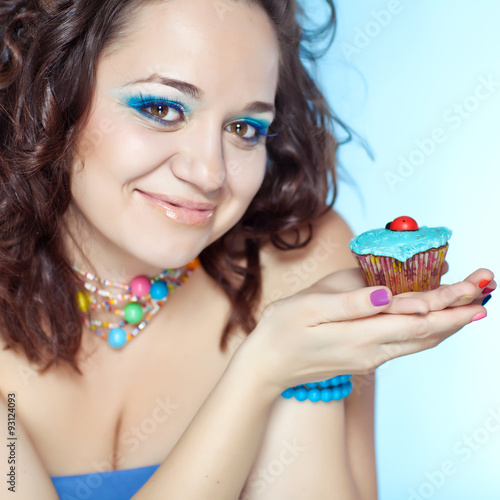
(159, 111)
(239, 129)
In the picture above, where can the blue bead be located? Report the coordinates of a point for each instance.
(335, 381)
(159, 290)
(288, 393)
(326, 395)
(325, 383)
(346, 389)
(337, 393)
(117, 337)
(345, 378)
(312, 384)
(301, 394)
(314, 395)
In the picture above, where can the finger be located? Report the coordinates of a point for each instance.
(461, 293)
(408, 305)
(485, 295)
(484, 284)
(484, 300)
(372, 341)
(490, 287)
(392, 328)
(445, 268)
(481, 278)
(430, 330)
(321, 307)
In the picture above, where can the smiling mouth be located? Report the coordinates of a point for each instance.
(190, 213)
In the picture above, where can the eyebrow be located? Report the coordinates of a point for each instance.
(187, 88)
(196, 93)
(260, 107)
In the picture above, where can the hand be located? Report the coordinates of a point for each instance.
(336, 326)
(453, 296)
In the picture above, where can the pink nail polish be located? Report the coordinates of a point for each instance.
(479, 316)
(487, 291)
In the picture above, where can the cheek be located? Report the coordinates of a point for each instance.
(245, 174)
(107, 155)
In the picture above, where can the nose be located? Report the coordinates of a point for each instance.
(200, 159)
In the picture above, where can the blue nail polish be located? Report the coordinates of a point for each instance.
(486, 300)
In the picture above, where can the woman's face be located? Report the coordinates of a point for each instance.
(174, 150)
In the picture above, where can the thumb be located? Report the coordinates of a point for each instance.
(324, 307)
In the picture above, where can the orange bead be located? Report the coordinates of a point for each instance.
(194, 263)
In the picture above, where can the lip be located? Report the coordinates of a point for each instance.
(179, 209)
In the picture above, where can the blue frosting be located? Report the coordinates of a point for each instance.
(400, 245)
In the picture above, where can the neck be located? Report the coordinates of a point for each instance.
(119, 293)
(120, 311)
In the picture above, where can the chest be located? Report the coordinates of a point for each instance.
(130, 406)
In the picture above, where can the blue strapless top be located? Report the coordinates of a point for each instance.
(111, 485)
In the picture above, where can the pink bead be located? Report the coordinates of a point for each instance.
(140, 286)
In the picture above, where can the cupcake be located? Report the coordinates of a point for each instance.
(402, 256)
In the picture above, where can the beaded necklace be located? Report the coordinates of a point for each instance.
(134, 304)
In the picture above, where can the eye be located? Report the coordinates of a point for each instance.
(242, 129)
(248, 131)
(160, 110)
(164, 112)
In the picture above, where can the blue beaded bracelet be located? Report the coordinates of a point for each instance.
(334, 388)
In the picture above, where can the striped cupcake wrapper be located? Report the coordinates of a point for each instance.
(418, 273)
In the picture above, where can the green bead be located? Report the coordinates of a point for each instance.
(133, 313)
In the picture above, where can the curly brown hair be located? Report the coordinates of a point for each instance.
(49, 51)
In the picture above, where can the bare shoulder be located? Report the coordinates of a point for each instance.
(288, 272)
(27, 478)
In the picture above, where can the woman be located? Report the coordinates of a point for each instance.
(137, 136)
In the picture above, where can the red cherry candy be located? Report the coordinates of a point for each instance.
(403, 224)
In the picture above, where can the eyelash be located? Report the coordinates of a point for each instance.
(261, 129)
(143, 103)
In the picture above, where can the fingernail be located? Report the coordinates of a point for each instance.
(486, 300)
(380, 297)
(486, 291)
(467, 297)
(483, 283)
(479, 316)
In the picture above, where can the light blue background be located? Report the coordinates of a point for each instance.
(396, 87)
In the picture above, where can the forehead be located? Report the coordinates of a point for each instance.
(205, 42)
